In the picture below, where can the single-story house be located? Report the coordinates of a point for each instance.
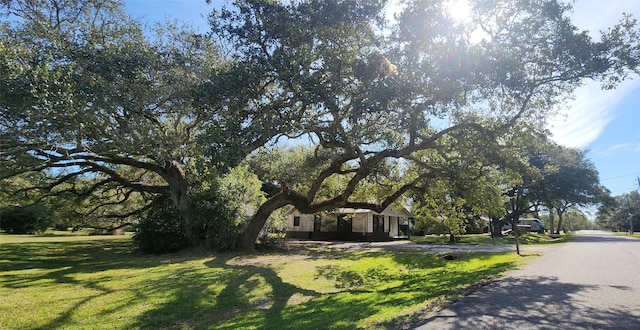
(349, 224)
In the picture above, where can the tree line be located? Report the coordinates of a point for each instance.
(201, 138)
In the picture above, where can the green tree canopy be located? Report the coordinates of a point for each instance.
(571, 181)
(620, 213)
(84, 92)
(100, 105)
(364, 92)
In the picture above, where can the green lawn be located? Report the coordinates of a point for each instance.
(485, 239)
(59, 237)
(104, 284)
(635, 234)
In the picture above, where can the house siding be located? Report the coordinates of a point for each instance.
(361, 225)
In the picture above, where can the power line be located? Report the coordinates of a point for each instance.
(626, 190)
(622, 176)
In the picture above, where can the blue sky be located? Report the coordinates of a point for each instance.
(607, 123)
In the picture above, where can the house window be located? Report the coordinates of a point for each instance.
(296, 221)
(378, 223)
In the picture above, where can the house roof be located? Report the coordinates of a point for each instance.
(404, 211)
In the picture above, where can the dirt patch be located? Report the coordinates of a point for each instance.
(267, 259)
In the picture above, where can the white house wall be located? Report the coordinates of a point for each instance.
(362, 222)
(306, 222)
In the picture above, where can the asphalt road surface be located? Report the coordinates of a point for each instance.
(592, 282)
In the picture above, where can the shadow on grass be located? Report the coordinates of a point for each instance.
(64, 267)
(255, 296)
(530, 303)
(92, 255)
(359, 294)
(195, 291)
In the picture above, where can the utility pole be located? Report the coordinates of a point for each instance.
(630, 217)
(629, 210)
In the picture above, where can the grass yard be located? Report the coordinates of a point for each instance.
(635, 234)
(105, 284)
(485, 239)
(61, 236)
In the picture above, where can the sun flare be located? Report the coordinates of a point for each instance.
(460, 10)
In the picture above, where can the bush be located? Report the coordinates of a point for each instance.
(61, 226)
(26, 220)
(213, 221)
(161, 230)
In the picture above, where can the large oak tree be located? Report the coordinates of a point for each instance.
(85, 93)
(362, 93)
(103, 108)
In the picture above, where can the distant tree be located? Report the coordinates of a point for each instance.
(465, 188)
(616, 215)
(32, 219)
(571, 180)
(577, 220)
(517, 176)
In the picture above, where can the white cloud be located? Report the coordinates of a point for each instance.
(588, 115)
(593, 108)
(618, 146)
(597, 15)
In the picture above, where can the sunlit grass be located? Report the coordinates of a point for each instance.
(59, 236)
(104, 284)
(635, 234)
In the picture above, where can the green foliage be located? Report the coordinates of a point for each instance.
(106, 112)
(542, 174)
(31, 219)
(577, 221)
(212, 220)
(161, 230)
(211, 223)
(218, 211)
(85, 88)
(465, 189)
(241, 190)
(623, 211)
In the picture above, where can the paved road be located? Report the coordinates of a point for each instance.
(591, 283)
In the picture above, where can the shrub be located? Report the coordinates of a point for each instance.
(61, 226)
(160, 231)
(213, 220)
(163, 230)
(26, 220)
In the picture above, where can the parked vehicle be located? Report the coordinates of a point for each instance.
(527, 225)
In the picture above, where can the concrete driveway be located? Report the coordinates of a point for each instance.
(592, 282)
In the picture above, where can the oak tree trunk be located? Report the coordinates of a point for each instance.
(559, 222)
(178, 190)
(247, 241)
